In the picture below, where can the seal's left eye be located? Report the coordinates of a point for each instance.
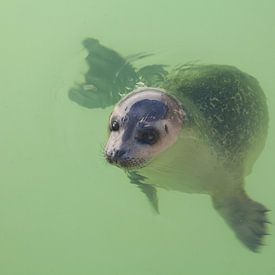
(114, 126)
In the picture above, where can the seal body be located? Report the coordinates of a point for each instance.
(208, 127)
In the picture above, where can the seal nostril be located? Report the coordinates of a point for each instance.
(108, 157)
(119, 153)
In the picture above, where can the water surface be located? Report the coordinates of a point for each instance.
(63, 209)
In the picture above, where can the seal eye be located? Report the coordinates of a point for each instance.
(114, 126)
(147, 136)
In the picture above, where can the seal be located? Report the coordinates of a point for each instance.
(201, 132)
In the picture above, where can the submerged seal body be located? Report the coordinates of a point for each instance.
(200, 132)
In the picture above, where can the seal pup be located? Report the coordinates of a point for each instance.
(201, 133)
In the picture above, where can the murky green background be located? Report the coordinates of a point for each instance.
(63, 210)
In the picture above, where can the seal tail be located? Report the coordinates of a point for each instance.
(246, 217)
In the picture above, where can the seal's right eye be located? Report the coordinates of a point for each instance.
(114, 126)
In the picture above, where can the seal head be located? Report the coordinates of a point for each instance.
(142, 125)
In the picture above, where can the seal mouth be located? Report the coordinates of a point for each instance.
(126, 163)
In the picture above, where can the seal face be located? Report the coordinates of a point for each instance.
(142, 125)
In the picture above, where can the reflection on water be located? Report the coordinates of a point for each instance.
(111, 76)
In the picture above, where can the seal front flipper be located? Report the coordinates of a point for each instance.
(109, 75)
(149, 190)
(246, 217)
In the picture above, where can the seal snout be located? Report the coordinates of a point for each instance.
(122, 159)
(116, 156)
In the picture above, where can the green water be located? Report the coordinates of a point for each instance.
(63, 210)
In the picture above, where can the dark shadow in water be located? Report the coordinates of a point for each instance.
(110, 76)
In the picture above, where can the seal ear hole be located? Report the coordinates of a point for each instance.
(166, 128)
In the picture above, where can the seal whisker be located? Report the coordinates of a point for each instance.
(102, 152)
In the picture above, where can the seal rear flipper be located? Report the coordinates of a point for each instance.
(149, 190)
(246, 217)
(109, 75)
